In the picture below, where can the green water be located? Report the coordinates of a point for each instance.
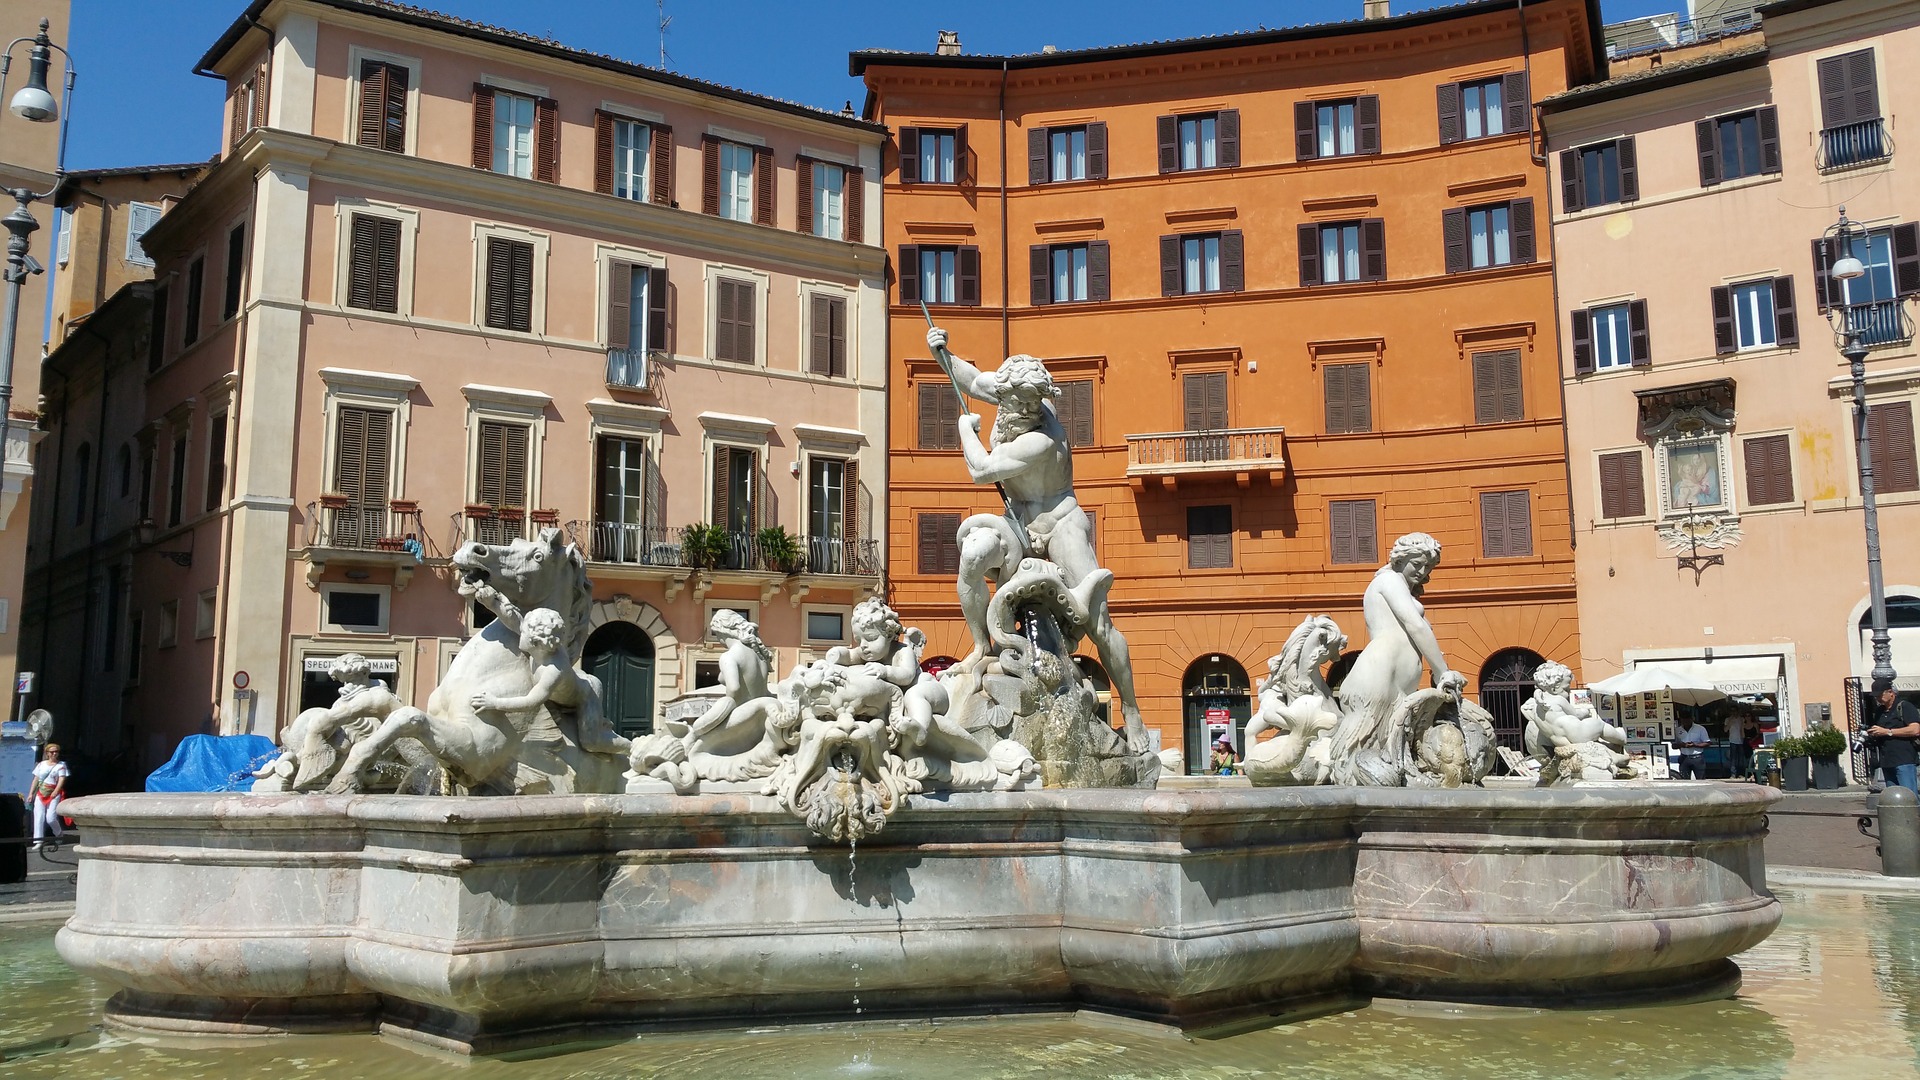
(1834, 993)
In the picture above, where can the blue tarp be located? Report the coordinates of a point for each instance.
(213, 763)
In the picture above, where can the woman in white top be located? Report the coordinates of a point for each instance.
(43, 800)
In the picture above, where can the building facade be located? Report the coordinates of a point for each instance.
(456, 283)
(1294, 288)
(1709, 411)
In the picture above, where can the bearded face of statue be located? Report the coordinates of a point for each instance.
(1018, 413)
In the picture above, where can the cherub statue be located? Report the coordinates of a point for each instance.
(735, 738)
(569, 695)
(314, 741)
(1569, 739)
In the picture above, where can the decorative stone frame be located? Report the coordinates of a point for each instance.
(507, 405)
(371, 390)
(1689, 418)
(726, 429)
(323, 615)
(605, 255)
(1599, 504)
(344, 209)
(762, 287)
(537, 313)
(666, 645)
(815, 441)
(357, 53)
(845, 611)
(806, 289)
(1793, 473)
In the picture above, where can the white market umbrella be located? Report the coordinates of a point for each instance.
(1653, 679)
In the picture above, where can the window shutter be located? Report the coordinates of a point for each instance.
(1520, 221)
(1233, 261)
(1769, 470)
(1824, 287)
(499, 283)
(1622, 492)
(1166, 131)
(764, 210)
(909, 155)
(908, 273)
(1890, 440)
(967, 288)
(1306, 141)
(803, 194)
(1513, 396)
(360, 261)
(1170, 283)
(1449, 99)
(709, 175)
(722, 473)
(238, 112)
(522, 269)
(1359, 397)
(350, 452)
(1226, 134)
(657, 308)
(375, 476)
(1706, 142)
(394, 108)
(1629, 170)
(483, 126)
(1216, 384)
(1769, 139)
(619, 304)
(1863, 91)
(1582, 342)
(837, 338)
(546, 141)
(1486, 388)
(851, 527)
(1333, 381)
(263, 78)
(1097, 151)
(939, 548)
(1075, 411)
(939, 417)
(1340, 532)
(371, 131)
(1724, 340)
(662, 164)
(853, 212)
(1193, 393)
(1040, 270)
(386, 264)
(1099, 270)
(1637, 333)
(1453, 235)
(1366, 532)
(602, 152)
(1519, 523)
(927, 554)
(1309, 255)
(1367, 120)
(1373, 249)
(1786, 323)
(1493, 524)
(960, 174)
(1037, 155)
(1517, 99)
(820, 346)
(1836, 106)
(1906, 258)
(1569, 181)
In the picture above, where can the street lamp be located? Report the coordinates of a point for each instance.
(33, 103)
(1846, 317)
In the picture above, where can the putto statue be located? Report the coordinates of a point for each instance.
(1569, 739)
(1296, 703)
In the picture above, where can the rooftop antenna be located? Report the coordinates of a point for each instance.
(666, 20)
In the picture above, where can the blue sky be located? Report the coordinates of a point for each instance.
(138, 101)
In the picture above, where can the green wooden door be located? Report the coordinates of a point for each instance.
(620, 655)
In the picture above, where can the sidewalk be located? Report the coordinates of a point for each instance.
(48, 891)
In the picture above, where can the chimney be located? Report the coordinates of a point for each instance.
(949, 43)
(1374, 9)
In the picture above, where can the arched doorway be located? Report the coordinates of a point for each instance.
(934, 665)
(1506, 680)
(1337, 671)
(620, 655)
(1218, 700)
(1102, 687)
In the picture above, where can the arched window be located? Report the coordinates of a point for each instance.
(1218, 700)
(1506, 680)
(1902, 611)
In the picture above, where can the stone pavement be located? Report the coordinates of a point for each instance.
(48, 890)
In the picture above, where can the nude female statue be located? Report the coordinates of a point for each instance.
(1399, 639)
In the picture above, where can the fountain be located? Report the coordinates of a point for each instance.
(499, 870)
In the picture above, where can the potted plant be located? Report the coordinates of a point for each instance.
(781, 550)
(1792, 754)
(1824, 747)
(479, 511)
(703, 546)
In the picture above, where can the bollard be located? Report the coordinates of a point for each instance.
(1899, 833)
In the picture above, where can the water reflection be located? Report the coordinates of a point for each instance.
(1834, 993)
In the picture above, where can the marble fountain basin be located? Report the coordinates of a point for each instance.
(487, 925)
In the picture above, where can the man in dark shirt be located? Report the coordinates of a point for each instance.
(1899, 726)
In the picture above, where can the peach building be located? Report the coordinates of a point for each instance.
(452, 283)
(1296, 290)
(1709, 411)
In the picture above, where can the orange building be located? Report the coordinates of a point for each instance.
(1296, 287)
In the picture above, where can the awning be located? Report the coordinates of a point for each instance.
(1730, 674)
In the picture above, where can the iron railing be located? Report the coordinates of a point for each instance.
(1881, 322)
(1670, 31)
(500, 525)
(1204, 451)
(620, 543)
(1850, 146)
(332, 523)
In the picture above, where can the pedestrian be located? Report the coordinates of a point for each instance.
(43, 798)
(1693, 741)
(1224, 761)
(1740, 756)
(1898, 729)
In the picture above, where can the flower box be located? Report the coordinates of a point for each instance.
(403, 506)
(479, 511)
(545, 517)
(333, 501)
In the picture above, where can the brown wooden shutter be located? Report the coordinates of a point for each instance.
(350, 452)
(1891, 448)
(1769, 118)
(939, 417)
(908, 273)
(522, 267)
(1359, 397)
(263, 78)
(483, 126)
(619, 304)
(1786, 322)
(1099, 270)
(851, 527)
(371, 130)
(1340, 532)
(1706, 144)
(1493, 525)
(503, 464)
(764, 210)
(386, 264)
(1517, 99)
(1209, 537)
(546, 141)
(709, 175)
(1513, 398)
(1622, 490)
(967, 289)
(909, 155)
(1582, 342)
(1449, 105)
(1309, 254)
(1520, 222)
(1519, 523)
(803, 195)
(820, 337)
(361, 268)
(854, 206)
(1570, 181)
(603, 151)
(1497, 393)
(1204, 394)
(960, 173)
(394, 128)
(1097, 151)
(748, 319)
(1836, 106)
(1075, 410)
(662, 164)
(1724, 339)
(1233, 261)
(1825, 289)
(657, 308)
(1637, 333)
(1333, 381)
(1367, 120)
(1226, 129)
(1166, 130)
(1863, 89)
(1906, 258)
(1306, 141)
(939, 547)
(1769, 469)
(1373, 249)
(1352, 532)
(1170, 280)
(722, 473)
(1037, 155)
(1040, 274)
(238, 113)
(1453, 237)
(1629, 170)
(499, 284)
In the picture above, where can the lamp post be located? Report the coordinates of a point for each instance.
(33, 103)
(1846, 269)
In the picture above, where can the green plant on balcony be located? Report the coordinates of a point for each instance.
(781, 550)
(704, 546)
(1825, 742)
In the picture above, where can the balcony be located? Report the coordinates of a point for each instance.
(1851, 146)
(1242, 453)
(641, 548)
(1881, 322)
(339, 531)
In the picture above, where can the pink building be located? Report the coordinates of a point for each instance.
(453, 282)
(1709, 412)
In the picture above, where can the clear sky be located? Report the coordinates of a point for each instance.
(138, 102)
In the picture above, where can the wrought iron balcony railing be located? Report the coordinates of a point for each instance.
(1881, 322)
(336, 522)
(1850, 146)
(665, 546)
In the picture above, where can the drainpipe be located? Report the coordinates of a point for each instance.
(53, 530)
(1006, 332)
(93, 522)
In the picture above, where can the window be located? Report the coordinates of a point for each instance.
(82, 468)
(1352, 532)
(1754, 315)
(632, 160)
(140, 218)
(1336, 128)
(831, 483)
(1890, 447)
(157, 329)
(249, 105)
(1063, 273)
(1497, 396)
(1074, 409)
(1891, 257)
(63, 249)
(1349, 397)
(1623, 487)
(619, 532)
(1614, 336)
(177, 489)
(735, 310)
(1202, 263)
(1484, 107)
(216, 460)
(205, 609)
(1599, 175)
(1055, 154)
(939, 544)
(513, 134)
(383, 106)
(355, 611)
(169, 633)
(1202, 141)
(736, 491)
(940, 275)
(1851, 130)
(636, 320)
(1769, 468)
(509, 285)
(829, 200)
(500, 480)
(827, 337)
(1483, 236)
(236, 271)
(933, 155)
(196, 285)
(1506, 524)
(630, 147)
(1343, 251)
(736, 181)
(827, 626)
(706, 672)
(1209, 537)
(373, 264)
(1204, 401)
(362, 453)
(1743, 144)
(939, 413)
